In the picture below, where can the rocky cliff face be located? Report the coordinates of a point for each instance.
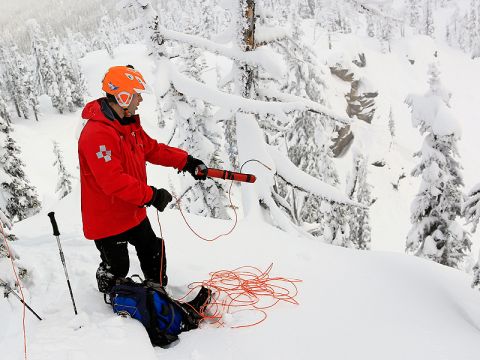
(360, 103)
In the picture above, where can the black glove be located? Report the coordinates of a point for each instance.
(192, 165)
(160, 199)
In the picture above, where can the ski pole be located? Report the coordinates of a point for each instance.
(225, 174)
(56, 233)
(10, 290)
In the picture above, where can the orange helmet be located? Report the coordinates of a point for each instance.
(123, 82)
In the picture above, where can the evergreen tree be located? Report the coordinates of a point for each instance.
(471, 207)
(333, 16)
(16, 70)
(249, 135)
(77, 44)
(472, 25)
(104, 39)
(31, 91)
(64, 184)
(472, 216)
(4, 112)
(435, 233)
(359, 190)
(45, 68)
(391, 126)
(476, 274)
(200, 136)
(370, 26)
(429, 26)
(307, 136)
(6, 236)
(385, 33)
(18, 199)
(196, 130)
(63, 100)
(414, 12)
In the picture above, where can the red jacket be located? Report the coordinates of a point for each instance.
(113, 174)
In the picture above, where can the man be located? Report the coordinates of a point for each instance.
(112, 150)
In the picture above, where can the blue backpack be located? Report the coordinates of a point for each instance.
(163, 318)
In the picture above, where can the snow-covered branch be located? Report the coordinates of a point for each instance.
(312, 106)
(263, 56)
(304, 182)
(4, 220)
(195, 89)
(472, 207)
(265, 34)
(363, 7)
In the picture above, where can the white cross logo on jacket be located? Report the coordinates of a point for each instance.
(104, 153)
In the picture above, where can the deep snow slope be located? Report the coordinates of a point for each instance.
(363, 305)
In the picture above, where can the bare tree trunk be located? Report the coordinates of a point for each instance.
(248, 73)
(311, 5)
(35, 112)
(17, 107)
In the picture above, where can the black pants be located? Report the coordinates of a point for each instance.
(116, 263)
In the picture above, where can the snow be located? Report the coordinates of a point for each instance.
(219, 98)
(426, 305)
(262, 56)
(287, 170)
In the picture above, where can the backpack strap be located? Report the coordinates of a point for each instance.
(159, 337)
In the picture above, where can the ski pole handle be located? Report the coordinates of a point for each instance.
(51, 215)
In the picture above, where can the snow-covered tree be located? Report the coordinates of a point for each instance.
(334, 17)
(18, 199)
(104, 38)
(385, 33)
(71, 84)
(200, 136)
(358, 190)
(45, 68)
(77, 43)
(63, 101)
(245, 106)
(7, 248)
(16, 73)
(64, 184)
(370, 26)
(391, 126)
(429, 27)
(471, 207)
(436, 233)
(472, 216)
(306, 137)
(31, 91)
(4, 112)
(414, 12)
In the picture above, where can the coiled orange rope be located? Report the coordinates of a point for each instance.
(246, 288)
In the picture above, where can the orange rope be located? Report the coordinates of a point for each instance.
(177, 202)
(19, 287)
(244, 289)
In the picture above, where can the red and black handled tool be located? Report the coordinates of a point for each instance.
(225, 174)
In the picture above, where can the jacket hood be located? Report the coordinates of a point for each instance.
(93, 112)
